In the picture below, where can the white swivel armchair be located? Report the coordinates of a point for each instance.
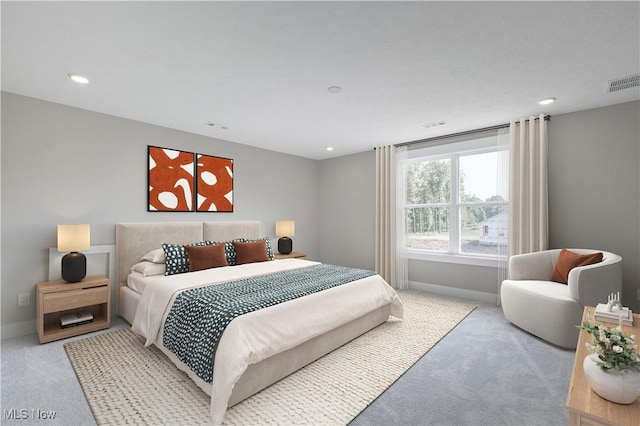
(552, 310)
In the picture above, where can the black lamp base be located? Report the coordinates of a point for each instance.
(74, 267)
(285, 245)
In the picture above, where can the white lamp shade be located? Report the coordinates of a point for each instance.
(285, 228)
(73, 237)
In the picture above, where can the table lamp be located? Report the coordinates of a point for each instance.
(73, 238)
(285, 229)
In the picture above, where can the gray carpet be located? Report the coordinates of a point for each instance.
(484, 372)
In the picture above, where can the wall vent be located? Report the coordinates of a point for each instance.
(623, 83)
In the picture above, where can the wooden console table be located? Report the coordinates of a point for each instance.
(585, 406)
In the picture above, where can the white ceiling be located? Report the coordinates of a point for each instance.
(262, 69)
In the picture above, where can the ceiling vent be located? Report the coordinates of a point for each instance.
(623, 83)
(434, 124)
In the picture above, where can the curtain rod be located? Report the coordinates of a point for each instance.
(465, 133)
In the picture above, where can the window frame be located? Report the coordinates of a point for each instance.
(455, 205)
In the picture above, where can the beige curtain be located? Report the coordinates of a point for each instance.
(528, 197)
(389, 260)
(504, 137)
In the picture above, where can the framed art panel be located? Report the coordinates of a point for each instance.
(171, 180)
(214, 184)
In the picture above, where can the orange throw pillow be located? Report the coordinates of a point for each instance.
(567, 260)
(251, 252)
(205, 257)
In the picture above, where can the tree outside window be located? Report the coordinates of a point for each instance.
(454, 204)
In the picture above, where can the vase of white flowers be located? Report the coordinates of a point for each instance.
(613, 367)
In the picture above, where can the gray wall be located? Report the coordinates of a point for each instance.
(62, 164)
(594, 190)
(347, 210)
(594, 186)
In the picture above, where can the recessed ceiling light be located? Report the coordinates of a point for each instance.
(78, 78)
(329, 148)
(547, 101)
(334, 89)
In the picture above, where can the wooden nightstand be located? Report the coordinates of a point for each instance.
(58, 298)
(292, 255)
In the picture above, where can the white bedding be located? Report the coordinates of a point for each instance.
(138, 282)
(253, 337)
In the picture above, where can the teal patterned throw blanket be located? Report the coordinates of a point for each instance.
(199, 316)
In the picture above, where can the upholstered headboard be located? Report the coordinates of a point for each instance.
(133, 240)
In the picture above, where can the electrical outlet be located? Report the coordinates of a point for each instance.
(23, 299)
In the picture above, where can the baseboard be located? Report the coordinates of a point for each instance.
(462, 293)
(18, 329)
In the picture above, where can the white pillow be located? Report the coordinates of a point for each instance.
(155, 256)
(148, 269)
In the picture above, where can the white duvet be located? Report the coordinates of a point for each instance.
(253, 337)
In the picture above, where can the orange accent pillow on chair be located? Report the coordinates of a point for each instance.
(567, 260)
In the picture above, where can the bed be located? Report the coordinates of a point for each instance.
(286, 336)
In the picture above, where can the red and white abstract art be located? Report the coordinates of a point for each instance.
(170, 180)
(185, 182)
(214, 184)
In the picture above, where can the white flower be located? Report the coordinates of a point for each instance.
(593, 348)
(612, 346)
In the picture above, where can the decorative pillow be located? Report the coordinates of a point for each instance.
(205, 257)
(267, 241)
(249, 252)
(567, 260)
(177, 261)
(229, 250)
(148, 268)
(155, 256)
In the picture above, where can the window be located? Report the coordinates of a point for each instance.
(455, 204)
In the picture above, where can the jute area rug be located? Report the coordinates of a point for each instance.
(126, 383)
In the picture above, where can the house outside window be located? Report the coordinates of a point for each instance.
(455, 203)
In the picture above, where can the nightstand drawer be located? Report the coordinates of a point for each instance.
(64, 300)
(293, 255)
